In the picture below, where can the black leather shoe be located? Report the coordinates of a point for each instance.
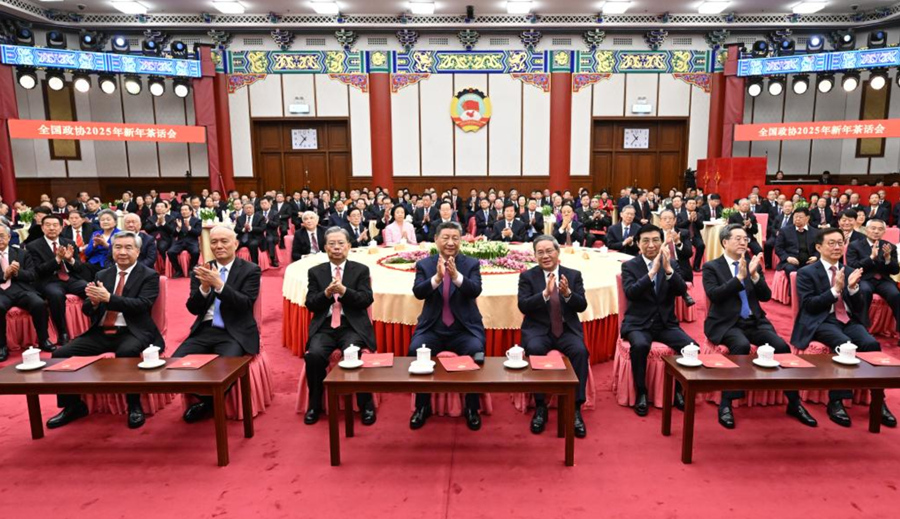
(135, 417)
(62, 340)
(419, 416)
(47, 346)
(539, 420)
(275, 264)
(679, 401)
(726, 417)
(197, 412)
(580, 429)
(838, 414)
(368, 414)
(641, 408)
(473, 419)
(311, 416)
(4, 353)
(688, 300)
(68, 415)
(887, 418)
(800, 413)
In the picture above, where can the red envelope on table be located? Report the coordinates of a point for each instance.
(377, 360)
(878, 358)
(74, 363)
(192, 361)
(789, 360)
(716, 360)
(464, 363)
(546, 362)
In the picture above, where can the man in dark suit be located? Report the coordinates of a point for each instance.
(445, 214)
(309, 238)
(678, 243)
(847, 225)
(449, 283)
(875, 210)
(147, 257)
(624, 200)
(158, 227)
(621, 236)
(780, 217)
(821, 216)
(58, 271)
(831, 303)
(796, 244)
(78, 230)
(283, 211)
(185, 231)
(120, 303)
(423, 219)
(713, 208)
(250, 229)
(735, 318)
(484, 218)
(508, 229)
(745, 218)
(878, 260)
(357, 229)
(127, 204)
(339, 217)
(533, 219)
(651, 282)
(16, 289)
(550, 297)
(271, 222)
(643, 212)
(691, 223)
(339, 296)
(568, 231)
(222, 296)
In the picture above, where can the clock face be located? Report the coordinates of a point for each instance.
(304, 139)
(637, 138)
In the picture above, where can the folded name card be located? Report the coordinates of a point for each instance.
(546, 362)
(878, 358)
(464, 363)
(377, 360)
(74, 363)
(192, 361)
(789, 360)
(716, 360)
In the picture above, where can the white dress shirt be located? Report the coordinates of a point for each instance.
(120, 319)
(343, 267)
(212, 307)
(834, 291)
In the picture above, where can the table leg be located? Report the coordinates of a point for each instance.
(667, 403)
(221, 425)
(570, 428)
(561, 416)
(246, 404)
(875, 410)
(687, 440)
(34, 416)
(348, 415)
(334, 433)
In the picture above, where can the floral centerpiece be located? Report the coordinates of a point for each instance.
(546, 210)
(493, 257)
(801, 203)
(26, 216)
(727, 212)
(207, 215)
(106, 205)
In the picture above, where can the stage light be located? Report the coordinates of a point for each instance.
(776, 86)
(108, 83)
(181, 88)
(786, 47)
(760, 49)
(815, 44)
(56, 80)
(845, 40)
(24, 36)
(825, 82)
(156, 86)
(800, 84)
(850, 81)
(178, 49)
(877, 40)
(150, 48)
(82, 82)
(120, 44)
(755, 87)
(56, 40)
(133, 85)
(27, 77)
(89, 41)
(878, 78)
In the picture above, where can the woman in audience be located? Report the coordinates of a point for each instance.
(143, 210)
(399, 229)
(97, 249)
(841, 203)
(606, 202)
(861, 220)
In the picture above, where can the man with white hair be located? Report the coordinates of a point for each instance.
(310, 238)
(147, 257)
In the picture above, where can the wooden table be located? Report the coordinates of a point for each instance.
(491, 378)
(825, 375)
(123, 376)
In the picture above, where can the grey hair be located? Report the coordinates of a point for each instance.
(544, 237)
(110, 212)
(725, 233)
(4, 227)
(664, 211)
(308, 214)
(223, 228)
(627, 207)
(335, 230)
(876, 220)
(448, 225)
(127, 234)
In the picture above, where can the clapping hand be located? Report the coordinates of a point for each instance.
(441, 270)
(97, 293)
(886, 249)
(654, 267)
(69, 253)
(874, 251)
(564, 286)
(666, 265)
(178, 224)
(754, 264)
(854, 278)
(209, 279)
(551, 279)
(742, 269)
(60, 254)
(451, 267)
(838, 281)
(11, 270)
(99, 241)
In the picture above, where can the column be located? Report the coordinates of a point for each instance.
(381, 135)
(560, 130)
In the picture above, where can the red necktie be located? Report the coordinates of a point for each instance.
(63, 274)
(109, 320)
(839, 310)
(336, 307)
(556, 320)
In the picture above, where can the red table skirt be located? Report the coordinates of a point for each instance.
(599, 335)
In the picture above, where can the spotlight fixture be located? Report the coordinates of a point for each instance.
(178, 49)
(800, 84)
(755, 87)
(776, 85)
(120, 44)
(157, 86)
(82, 82)
(825, 82)
(24, 36)
(815, 44)
(107, 83)
(89, 41)
(760, 49)
(56, 80)
(150, 48)
(844, 40)
(133, 85)
(56, 40)
(850, 81)
(878, 78)
(27, 77)
(786, 47)
(877, 39)
(181, 87)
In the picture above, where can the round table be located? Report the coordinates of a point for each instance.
(395, 310)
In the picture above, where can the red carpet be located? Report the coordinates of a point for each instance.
(770, 466)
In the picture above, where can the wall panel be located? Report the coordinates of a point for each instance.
(580, 162)
(471, 148)
(293, 86)
(826, 154)
(435, 94)
(849, 163)
(266, 98)
(112, 156)
(674, 96)
(698, 131)
(795, 154)
(405, 124)
(360, 133)
(890, 163)
(535, 131)
(87, 166)
(331, 97)
(241, 141)
(173, 157)
(641, 85)
(505, 143)
(23, 149)
(609, 97)
(143, 158)
(768, 109)
(44, 166)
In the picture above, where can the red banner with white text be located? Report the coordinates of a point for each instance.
(94, 131)
(866, 129)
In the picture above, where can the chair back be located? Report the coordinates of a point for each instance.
(762, 220)
(158, 313)
(892, 234)
(471, 226)
(795, 301)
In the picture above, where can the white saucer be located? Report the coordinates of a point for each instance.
(684, 361)
(350, 364)
(839, 360)
(152, 365)
(515, 365)
(766, 364)
(23, 367)
(417, 369)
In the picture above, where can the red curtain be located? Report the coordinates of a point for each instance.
(8, 110)
(599, 335)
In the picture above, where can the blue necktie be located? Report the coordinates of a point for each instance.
(625, 229)
(217, 312)
(745, 306)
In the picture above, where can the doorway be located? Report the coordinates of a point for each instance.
(638, 152)
(290, 154)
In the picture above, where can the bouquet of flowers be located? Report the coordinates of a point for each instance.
(546, 210)
(801, 203)
(26, 216)
(230, 205)
(207, 215)
(407, 257)
(727, 212)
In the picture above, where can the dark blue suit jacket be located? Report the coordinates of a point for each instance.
(644, 304)
(462, 298)
(816, 299)
(537, 311)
